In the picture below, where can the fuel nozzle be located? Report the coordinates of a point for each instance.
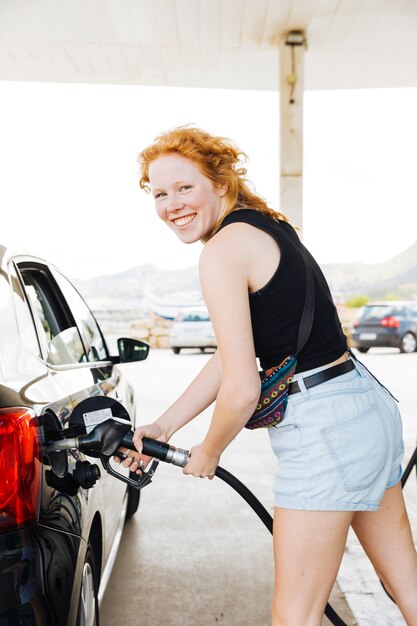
(106, 438)
(103, 436)
(158, 450)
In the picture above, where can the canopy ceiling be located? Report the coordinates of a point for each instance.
(208, 43)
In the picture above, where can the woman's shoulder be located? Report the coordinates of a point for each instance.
(227, 241)
(235, 248)
(224, 259)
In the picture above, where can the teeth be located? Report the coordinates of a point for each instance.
(181, 221)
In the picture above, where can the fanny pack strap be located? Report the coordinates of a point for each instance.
(307, 317)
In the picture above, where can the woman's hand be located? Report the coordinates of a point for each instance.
(202, 463)
(134, 460)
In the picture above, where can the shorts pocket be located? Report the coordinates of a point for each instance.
(291, 475)
(359, 447)
(282, 436)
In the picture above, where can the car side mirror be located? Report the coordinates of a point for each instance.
(131, 350)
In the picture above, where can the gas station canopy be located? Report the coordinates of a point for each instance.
(208, 43)
(284, 45)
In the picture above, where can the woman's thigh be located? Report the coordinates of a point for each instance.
(387, 540)
(308, 549)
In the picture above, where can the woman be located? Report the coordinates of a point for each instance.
(339, 445)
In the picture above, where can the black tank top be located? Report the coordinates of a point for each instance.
(277, 307)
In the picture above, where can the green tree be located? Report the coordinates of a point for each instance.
(356, 301)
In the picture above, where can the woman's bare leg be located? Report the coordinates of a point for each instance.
(387, 540)
(308, 549)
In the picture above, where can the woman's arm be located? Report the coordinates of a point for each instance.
(224, 271)
(231, 376)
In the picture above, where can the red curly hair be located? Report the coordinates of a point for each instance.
(217, 159)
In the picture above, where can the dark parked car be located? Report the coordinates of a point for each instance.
(386, 324)
(58, 538)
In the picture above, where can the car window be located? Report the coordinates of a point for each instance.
(379, 311)
(24, 318)
(194, 317)
(61, 336)
(90, 332)
(376, 312)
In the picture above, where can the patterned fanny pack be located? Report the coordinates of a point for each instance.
(276, 381)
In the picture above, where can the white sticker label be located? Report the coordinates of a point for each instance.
(96, 417)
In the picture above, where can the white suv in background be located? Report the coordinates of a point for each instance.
(192, 329)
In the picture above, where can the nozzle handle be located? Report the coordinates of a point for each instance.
(151, 447)
(158, 450)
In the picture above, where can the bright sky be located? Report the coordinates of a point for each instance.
(69, 189)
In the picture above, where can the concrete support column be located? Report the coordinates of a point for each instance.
(291, 89)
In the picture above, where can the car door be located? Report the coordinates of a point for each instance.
(77, 358)
(45, 522)
(37, 386)
(104, 380)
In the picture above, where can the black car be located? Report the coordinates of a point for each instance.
(386, 324)
(58, 537)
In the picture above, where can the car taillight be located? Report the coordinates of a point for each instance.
(20, 468)
(390, 322)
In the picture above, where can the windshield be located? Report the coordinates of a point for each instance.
(199, 316)
(379, 311)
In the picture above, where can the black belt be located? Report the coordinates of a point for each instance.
(321, 377)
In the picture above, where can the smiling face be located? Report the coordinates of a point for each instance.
(185, 199)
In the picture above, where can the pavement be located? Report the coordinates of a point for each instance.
(195, 554)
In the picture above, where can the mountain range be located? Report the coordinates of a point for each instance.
(396, 277)
(131, 289)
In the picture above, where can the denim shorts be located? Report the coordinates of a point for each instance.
(339, 446)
